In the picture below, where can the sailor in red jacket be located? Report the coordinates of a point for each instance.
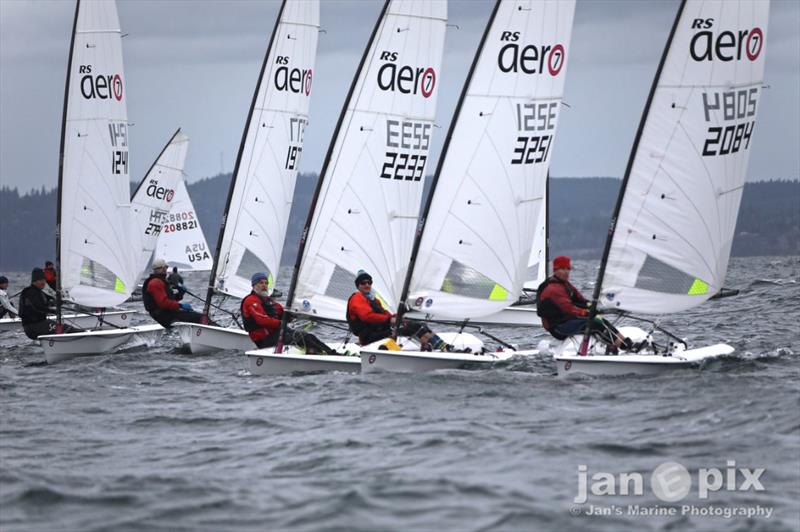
(162, 302)
(50, 275)
(563, 308)
(261, 315)
(371, 322)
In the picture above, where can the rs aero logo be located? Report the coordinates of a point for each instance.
(161, 193)
(708, 45)
(101, 86)
(529, 59)
(403, 78)
(292, 79)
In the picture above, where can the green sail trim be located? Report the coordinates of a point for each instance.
(498, 293)
(119, 286)
(698, 288)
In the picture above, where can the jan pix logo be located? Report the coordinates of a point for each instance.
(669, 481)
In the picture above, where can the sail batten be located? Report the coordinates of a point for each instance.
(95, 260)
(681, 193)
(485, 209)
(364, 212)
(263, 182)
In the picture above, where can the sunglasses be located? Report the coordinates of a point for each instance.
(365, 282)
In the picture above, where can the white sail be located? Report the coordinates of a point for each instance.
(672, 237)
(156, 195)
(537, 260)
(489, 193)
(182, 242)
(95, 256)
(266, 170)
(368, 204)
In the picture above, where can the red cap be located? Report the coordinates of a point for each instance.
(561, 263)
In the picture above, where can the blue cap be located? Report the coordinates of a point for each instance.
(258, 276)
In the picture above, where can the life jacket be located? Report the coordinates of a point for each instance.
(356, 325)
(249, 322)
(547, 309)
(147, 297)
(32, 312)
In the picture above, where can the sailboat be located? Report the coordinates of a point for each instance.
(95, 258)
(670, 235)
(181, 242)
(156, 195)
(472, 250)
(260, 196)
(364, 211)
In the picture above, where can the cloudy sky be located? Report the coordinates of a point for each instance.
(194, 63)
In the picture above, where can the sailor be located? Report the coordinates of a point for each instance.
(174, 279)
(262, 320)
(50, 274)
(370, 321)
(564, 310)
(162, 302)
(6, 308)
(35, 305)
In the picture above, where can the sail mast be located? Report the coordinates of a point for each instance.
(429, 201)
(61, 168)
(547, 226)
(310, 217)
(612, 226)
(155, 162)
(231, 188)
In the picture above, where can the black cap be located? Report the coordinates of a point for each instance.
(37, 274)
(362, 276)
(3, 279)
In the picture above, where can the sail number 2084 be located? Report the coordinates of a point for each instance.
(736, 107)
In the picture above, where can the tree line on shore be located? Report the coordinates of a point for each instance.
(580, 209)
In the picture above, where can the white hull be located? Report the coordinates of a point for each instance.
(569, 363)
(411, 360)
(118, 318)
(267, 362)
(421, 361)
(58, 347)
(203, 339)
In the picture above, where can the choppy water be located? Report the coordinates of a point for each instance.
(151, 439)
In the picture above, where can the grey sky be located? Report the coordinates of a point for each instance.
(194, 63)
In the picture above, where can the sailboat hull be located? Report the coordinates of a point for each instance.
(267, 362)
(119, 318)
(201, 339)
(60, 347)
(569, 363)
(411, 360)
(421, 361)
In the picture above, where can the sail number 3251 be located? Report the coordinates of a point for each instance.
(535, 124)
